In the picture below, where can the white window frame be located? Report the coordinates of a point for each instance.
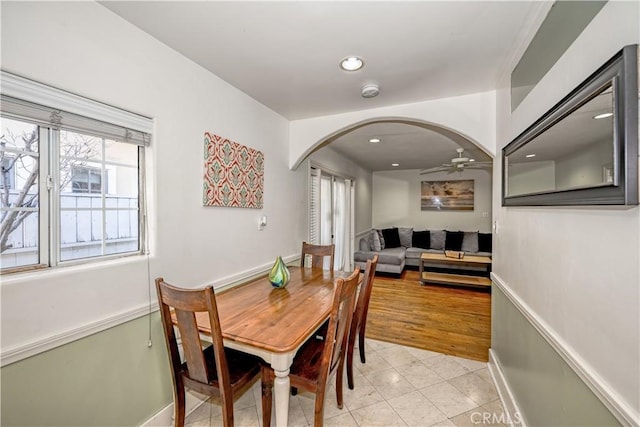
(79, 114)
(90, 171)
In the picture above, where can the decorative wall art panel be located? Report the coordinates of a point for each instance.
(447, 195)
(233, 174)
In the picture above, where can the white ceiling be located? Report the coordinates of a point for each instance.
(286, 54)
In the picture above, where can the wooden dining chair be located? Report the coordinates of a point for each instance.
(359, 322)
(319, 359)
(221, 373)
(318, 254)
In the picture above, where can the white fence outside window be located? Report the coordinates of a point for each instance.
(80, 231)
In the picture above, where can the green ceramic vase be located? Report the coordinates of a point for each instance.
(279, 274)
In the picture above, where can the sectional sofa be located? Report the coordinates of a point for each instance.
(398, 247)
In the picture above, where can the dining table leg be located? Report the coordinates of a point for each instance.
(281, 387)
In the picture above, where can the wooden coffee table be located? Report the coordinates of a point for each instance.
(440, 260)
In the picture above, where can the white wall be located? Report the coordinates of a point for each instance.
(577, 268)
(531, 177)
(584, 168)
(86, 49)
(396, 202)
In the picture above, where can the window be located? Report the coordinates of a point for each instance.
(72, 185)
(7, 177)
(86, 180)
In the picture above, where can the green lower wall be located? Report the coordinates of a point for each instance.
(111, 378)
(547, 391)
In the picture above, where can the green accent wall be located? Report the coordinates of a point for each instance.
(111, 378)
(547, 390)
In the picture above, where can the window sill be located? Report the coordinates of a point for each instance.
(14, 274)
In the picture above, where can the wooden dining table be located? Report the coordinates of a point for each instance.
(273, 323)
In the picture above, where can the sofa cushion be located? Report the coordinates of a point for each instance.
(470, 241)
(387, 268)
(394, 256)
(405, 234)
(391, 238)
(363, 256)
(375, 241)
(453, 240)
(484, 242)
(414, 252)
(421, 239)
(381, 236)
(437, 238)
(365, 243)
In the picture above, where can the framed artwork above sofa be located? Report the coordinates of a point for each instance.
(447, 195)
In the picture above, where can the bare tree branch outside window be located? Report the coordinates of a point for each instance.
(19, 156)
(26, 146)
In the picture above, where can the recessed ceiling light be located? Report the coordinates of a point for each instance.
(374, 140)
(351, 63)
(395, 164)
(603, 116)
(528, 156)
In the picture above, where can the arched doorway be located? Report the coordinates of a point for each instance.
(384, 159)
(415, 135)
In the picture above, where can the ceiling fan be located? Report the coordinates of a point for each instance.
(458, 164)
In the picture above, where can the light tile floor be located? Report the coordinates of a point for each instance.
(397, 386)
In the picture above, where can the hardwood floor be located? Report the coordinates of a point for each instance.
(446, 319)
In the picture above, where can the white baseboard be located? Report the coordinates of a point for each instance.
(164, 418)
(509, 403)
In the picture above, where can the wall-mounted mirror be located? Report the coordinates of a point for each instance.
(584, 151)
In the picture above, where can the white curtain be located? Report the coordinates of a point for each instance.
(340, 221)
(331, 215)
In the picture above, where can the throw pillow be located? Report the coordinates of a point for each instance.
(453, 240)
(470, 241)
(375, 241)
(484, 242)
(381, 237)
(365, 244)
(437, 239)
(391, 238)
(405, 236)
(421, 239)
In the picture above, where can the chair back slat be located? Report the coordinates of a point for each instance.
(340, 332)
(362, 305)
(339, 322)
(205, 370)
(359, 322)
(191, 347)
(318, 253)
(185, 303)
